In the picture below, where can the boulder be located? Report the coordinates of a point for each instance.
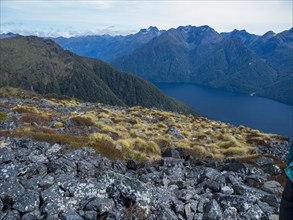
(131, 165)
(213, 211)
(262, 161)
(175, 133)
(273, 187)
(28, 202)
(171, 152)
(6, 155)
(10, 192)
(100, 205)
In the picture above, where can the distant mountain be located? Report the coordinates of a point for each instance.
(276, 50)
(235, 61)
(106, 47)
(201, 55)
(8, 35)
(42, 66)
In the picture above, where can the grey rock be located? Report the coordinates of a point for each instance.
(65, 181)
(227, 190)
(33, 169)
(242, 189)
(71, 215)
(6, 155)
(254, 213)
(167, 214)
(193, 205)
(90, 215)
(52, 192)
(46, 181)
(213, 210)
(100, 205)
(211, 173)
(271, 200)
(179, 208)
(10, 192)
(2, 215)
(53, 150)
(268, 210)
(131, 165)
(201, 204)
(12, 215)
(171, 152)
(38, 158)
(187, 210)
(87, 189)
(213, 185)
(198, 216)
(184, 195)
(127, 191)
(236, 167)
(261, 161)
(56, 205)
(272, 169)
(29, 201)
(85, 168)
(175, 133)
(64, 164)
(273, 187)
(254, 180)
(9, 172)
(170, 162)
(34, 215)
(230, 213)
(1, 205)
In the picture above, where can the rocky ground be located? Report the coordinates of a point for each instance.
(39, 180)
(58, 179)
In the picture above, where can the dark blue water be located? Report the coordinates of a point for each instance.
(238, 109)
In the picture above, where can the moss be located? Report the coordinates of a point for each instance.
(3, 116)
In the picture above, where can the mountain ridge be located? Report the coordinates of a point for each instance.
(42, 66)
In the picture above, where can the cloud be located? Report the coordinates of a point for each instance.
(122, 17)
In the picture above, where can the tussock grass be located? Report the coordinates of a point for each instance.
(3, 116)
(25, 109)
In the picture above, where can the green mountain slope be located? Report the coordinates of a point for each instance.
(42, 66)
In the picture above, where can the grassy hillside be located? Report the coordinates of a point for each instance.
(40, 65)
(127, 133)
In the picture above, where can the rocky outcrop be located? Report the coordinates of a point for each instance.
(39, 180)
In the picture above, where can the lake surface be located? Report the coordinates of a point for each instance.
(235, 108)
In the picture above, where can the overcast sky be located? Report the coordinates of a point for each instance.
(68, 18)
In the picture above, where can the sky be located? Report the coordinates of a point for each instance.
(73, 18)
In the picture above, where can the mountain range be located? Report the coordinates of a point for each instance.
(235, 61)
(40, 65)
